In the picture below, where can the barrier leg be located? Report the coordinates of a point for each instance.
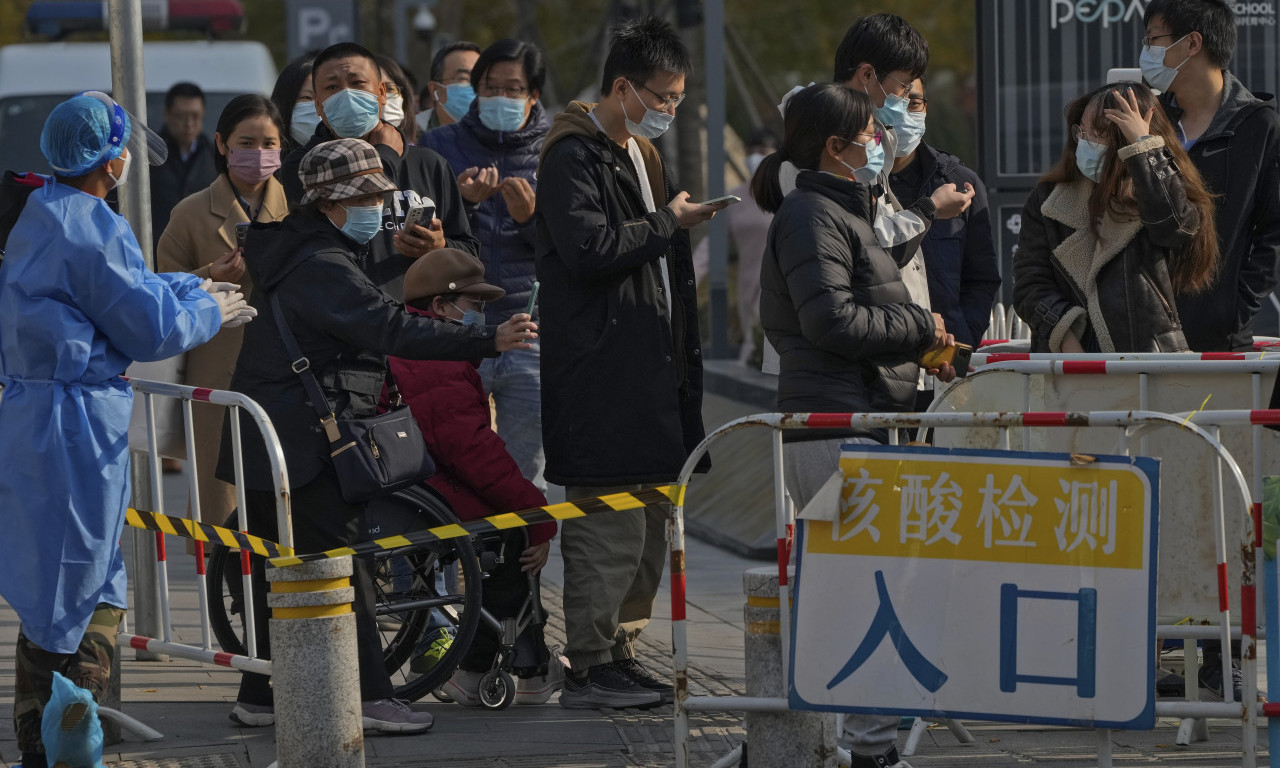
(313, 667)
(799, 739)
(1104, 747)
(913, 739)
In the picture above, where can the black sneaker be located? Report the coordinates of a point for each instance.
(1211, 677)
(646, 679)
(605, 685)
(889, 759)
(1170, 685)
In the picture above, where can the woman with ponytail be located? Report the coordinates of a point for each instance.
(1114, 231)
(833, 304)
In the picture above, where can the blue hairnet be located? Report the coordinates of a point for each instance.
(82, 133)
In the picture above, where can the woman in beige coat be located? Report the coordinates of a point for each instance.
(201, 239)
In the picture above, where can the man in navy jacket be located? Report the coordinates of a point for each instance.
(959, 254)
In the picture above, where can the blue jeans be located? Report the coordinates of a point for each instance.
(515, 381)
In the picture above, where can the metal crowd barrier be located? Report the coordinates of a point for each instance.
(1209, 382)
(1135, 425)
(236, 402)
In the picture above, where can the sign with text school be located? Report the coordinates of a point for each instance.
(1018, 587)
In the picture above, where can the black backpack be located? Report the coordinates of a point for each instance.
(15, 188)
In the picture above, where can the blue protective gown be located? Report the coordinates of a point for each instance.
(77, 305)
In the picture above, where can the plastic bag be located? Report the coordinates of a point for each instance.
(69, 728)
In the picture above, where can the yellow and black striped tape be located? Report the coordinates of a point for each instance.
(188, 529)
(506, 521)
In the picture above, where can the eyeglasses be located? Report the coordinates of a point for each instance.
(667, 102)
(510, 91)
(1078, 132)
(906, 87)
(877, 137)
(917, 104)
(1149, 39)
(477, 303)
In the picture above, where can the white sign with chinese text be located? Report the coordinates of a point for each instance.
(981, 584)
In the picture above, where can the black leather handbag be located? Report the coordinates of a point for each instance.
(372, 456)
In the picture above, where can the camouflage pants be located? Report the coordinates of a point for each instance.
(89, 667)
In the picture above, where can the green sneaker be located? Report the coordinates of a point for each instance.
(439, 642)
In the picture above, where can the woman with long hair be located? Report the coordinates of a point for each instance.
(1114, 231)
(201, 238)
(295, 97)
(833, 304)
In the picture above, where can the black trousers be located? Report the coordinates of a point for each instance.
(505, 590)
(322, 520)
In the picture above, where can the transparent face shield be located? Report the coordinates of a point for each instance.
(142, 141)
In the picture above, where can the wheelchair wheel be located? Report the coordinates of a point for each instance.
(421, 591)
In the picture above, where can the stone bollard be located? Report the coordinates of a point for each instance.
(314, 671)
(792, 739)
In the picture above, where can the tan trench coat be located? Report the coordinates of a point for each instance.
(201, 229)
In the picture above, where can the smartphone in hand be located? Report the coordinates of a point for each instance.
(242, 234)
(533, 298)
(725, 200)
(420, 214)
(957, 356)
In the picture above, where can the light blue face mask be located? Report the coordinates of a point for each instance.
(502, 113)
(868, 173)
(302, 126)
(458, 98)
(351, 113)
(363, 222)
(470, 316)
(1090, 156)
(909, 132)
(652, 125)
(1154, 71)
(894, 111)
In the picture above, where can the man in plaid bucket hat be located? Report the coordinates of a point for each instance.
(310, 267)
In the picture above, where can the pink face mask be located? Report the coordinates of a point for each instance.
(253, 166)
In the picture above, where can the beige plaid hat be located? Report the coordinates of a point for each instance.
(342, 169)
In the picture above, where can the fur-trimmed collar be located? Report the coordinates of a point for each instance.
(1082, 254)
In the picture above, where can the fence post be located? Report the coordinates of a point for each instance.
(313, 665)
(797, 739)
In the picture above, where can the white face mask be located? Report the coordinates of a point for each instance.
(124, 172)
(424, 119)
(909, 132)
(303, 124)
(1153, 68)
(393, 110)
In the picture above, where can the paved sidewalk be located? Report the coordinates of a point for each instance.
(189, 703)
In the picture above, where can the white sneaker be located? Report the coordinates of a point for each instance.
(539, 690)
(253, 715)
(464, 687)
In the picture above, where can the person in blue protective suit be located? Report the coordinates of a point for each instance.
(77, 306)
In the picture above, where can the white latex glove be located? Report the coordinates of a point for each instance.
(242, 317)
(229, 303)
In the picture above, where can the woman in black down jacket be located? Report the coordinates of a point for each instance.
(1120, 224)
(833, 304)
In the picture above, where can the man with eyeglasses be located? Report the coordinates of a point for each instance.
(959, 254)
(494, 151)
(189, 167)
(621, 363)
(1233, 137)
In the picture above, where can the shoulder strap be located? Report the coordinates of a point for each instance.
(302, 366)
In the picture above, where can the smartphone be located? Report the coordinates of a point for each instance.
(242, 234)
(420, 214)
(729, 199)
(957, 356)
(533, 298)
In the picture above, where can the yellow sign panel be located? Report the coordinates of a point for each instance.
(1041, 512)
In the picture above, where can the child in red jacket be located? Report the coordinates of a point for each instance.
(474, 472)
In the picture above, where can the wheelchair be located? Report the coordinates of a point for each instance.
(419, 588)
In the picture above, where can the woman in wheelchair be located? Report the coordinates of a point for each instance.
(478, 477)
